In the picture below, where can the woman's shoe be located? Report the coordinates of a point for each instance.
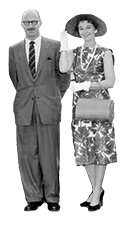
(103, 195)
(85, 204)
(94, 208)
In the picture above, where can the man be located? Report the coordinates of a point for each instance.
(34, 71)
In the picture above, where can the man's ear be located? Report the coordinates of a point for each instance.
(22, 24)
(40, 22)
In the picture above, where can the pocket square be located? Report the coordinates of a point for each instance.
(48, 58)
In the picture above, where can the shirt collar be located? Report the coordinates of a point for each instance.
(37, 40)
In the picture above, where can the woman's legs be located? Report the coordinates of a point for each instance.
(90, 169)
(96, 175)
(99, 176)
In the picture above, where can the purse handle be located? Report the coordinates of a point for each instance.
(101, 86)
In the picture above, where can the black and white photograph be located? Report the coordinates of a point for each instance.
(61, 112)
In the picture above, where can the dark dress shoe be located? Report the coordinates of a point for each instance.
(85, 204)
(33, 206)
(52, 206)
(94, 207)
(103, 195)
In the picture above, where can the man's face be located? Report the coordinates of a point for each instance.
(31, 23)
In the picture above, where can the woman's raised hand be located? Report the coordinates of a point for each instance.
(62, 37)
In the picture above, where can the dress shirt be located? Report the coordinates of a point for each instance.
(37, 46)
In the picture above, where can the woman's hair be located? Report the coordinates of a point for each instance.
(89, 21)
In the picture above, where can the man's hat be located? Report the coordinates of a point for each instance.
(72, 25)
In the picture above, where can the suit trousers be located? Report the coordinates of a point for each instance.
(38, 147)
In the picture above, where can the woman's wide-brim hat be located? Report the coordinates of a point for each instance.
(72, 25)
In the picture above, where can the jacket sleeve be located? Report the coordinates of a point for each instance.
(63, 78)
(12, 68)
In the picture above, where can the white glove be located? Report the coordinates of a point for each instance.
(64, 41)
(80, 86)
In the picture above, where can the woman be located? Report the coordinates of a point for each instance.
(94, 140)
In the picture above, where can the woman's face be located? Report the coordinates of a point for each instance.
(86, 30)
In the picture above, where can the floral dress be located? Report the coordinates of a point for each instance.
(94, 141)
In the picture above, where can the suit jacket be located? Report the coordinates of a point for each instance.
(48, 88)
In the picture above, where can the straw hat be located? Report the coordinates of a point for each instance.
(72, 25)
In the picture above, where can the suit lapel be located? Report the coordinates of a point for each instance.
(22, 53)
(43, 53)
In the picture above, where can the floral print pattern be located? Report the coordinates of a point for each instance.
(94, 141)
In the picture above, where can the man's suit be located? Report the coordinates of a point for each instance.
(37, 108)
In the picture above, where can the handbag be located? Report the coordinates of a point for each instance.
(95, 109)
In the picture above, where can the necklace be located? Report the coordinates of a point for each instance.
(89, 60)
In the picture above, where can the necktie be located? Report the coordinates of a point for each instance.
(32, 64)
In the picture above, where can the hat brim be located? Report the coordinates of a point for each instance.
(72, 25)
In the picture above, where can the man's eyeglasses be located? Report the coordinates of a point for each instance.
(33, 22)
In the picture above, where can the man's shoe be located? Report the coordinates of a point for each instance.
(33, 206)
(52, 206)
